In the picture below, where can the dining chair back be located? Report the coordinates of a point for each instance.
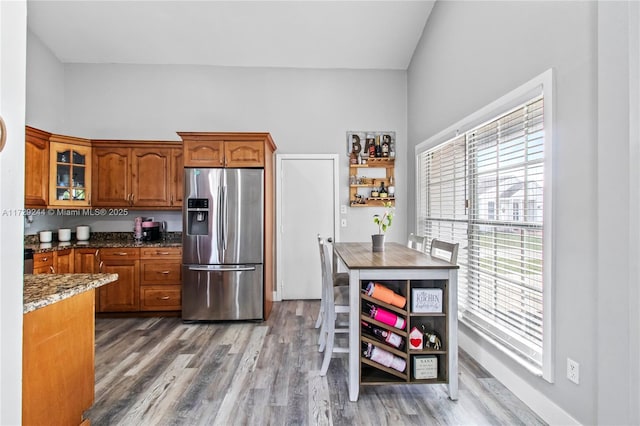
(336, 301)
(339, 278)
(444, 250)
(417, 242)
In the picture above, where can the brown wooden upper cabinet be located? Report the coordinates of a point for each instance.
(36, 170)
(137, 174)
(209, 149)
(69, 171)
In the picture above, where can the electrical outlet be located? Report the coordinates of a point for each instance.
(343, 223)
(573, 371)
(343, 209)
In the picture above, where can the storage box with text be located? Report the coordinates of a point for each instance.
(426, 300)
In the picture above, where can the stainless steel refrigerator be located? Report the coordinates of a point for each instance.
(222, 237)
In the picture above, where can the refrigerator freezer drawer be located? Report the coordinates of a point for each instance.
(222, 292)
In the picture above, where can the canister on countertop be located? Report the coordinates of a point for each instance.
(64, 234)
(83, 232)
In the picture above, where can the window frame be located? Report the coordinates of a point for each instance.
(541, 84)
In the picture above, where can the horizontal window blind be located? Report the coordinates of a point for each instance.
(484, 190)
(441, 200)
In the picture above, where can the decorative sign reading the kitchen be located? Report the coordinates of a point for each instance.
(426, 300)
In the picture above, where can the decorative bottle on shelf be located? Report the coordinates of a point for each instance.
(353, 158)
(374, 191)
(383, 191)
(389, 337)
(383, 357)
(371, 146)
(386, 317)
(378, 147)
(385, 145)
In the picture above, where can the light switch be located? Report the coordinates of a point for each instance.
(343, 223)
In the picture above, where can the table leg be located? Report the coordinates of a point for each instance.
(354, 334)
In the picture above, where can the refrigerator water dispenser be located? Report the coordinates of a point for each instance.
(198, 216)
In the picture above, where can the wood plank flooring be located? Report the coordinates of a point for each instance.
(161, 371)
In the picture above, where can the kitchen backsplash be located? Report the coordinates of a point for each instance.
(100, 220)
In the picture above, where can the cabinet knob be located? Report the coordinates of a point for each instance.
(44, 259)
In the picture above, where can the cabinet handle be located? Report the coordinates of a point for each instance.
(163, 272)
(97, 253)
(164, 298)
(100, 267)
(51, 268)
(121, 253)
(44, 259)
(133, 196)
(162, 253)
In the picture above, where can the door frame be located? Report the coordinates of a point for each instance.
(280, 158)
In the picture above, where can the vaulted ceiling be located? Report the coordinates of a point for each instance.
(297, 34)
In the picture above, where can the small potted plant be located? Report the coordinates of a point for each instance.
(384, 223)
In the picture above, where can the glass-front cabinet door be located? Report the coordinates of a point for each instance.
(70, 174)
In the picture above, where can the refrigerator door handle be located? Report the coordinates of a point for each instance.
(216, 268)
(219, 222)
(225, 217)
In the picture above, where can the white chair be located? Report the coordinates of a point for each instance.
(339, 278)
(336, 301)
(444, 250)
(417, 242)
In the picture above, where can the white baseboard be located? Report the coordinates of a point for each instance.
(538, 402)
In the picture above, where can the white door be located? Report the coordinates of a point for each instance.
(307, 205)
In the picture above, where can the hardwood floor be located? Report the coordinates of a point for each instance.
(160, 371)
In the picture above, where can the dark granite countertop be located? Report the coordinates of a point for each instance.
(45, 289)
(104, 240)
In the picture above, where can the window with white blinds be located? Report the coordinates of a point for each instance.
(484, 189)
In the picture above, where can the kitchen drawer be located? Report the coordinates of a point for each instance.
(160, 272)
(43, 263)
(160, 298)
(161, 253)
(119, 253)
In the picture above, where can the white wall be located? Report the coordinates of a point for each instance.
(13, 25)
(306, 111)
(472, 53)
(45, 88)
(617, 303)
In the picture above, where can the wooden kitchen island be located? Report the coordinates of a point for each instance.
(58, 347)
(404, 270)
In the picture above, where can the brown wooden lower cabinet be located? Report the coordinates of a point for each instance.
(58, 362)
(160, 297)
(64, 261)
(122, 295)
(149, 279)
(161, 279)
(43, 263)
